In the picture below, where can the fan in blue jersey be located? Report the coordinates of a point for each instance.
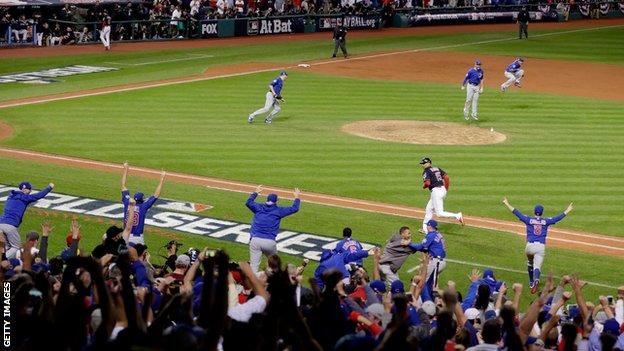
(537, 230)
(142, 206)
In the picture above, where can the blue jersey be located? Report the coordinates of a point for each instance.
(139, 212)
(537, 227)
(348, 245)
(514, 66)
(474, 76)
(16, 205)
(432, 243)
(277, 85)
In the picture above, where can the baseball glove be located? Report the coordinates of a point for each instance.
(279, 97)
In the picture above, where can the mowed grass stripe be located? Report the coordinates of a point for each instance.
(201, 128)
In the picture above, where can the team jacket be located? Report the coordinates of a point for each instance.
(267, 218)
(16, 205)
(537, 227)
(337, 261)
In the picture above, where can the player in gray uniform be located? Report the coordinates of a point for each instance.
(273, 99)
(474, 78)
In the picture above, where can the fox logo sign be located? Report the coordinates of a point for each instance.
(209, 28)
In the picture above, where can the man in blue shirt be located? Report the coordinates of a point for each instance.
(265, 225)
(537, 230)
(273, 99)
(474, 79)
(433, 244)
(348, 244)
(514, 74)
(142, 206)
(14, 210)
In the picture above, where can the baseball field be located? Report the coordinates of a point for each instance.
(350, 135)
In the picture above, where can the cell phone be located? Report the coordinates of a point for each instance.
(610, 299)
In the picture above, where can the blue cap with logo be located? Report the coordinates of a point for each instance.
(271, 199)
(25, 185)
(433, 223)
(539, 210)
(478, 62)
(283, 73)
(138, 196)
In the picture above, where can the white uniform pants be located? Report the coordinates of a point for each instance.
(436, 266)
(105, 36)
(389, 275)
(512, 78)
(259, 247)
(538, 251)
(269, 103)
(472, 97)
(436, 203)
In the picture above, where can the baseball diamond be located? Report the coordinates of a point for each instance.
(363, 214)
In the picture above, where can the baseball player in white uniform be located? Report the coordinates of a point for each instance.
(514, 74)
(438, 182)
(474, 79)
(105, 31)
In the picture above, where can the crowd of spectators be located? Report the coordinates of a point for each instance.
(113, 297)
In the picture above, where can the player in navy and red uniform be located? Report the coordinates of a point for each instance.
(537, 230)
(105, 31)
(438, 183)
(142, 206)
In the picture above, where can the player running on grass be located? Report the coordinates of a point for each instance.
(438, 183)
(537, 230)
(273, 99)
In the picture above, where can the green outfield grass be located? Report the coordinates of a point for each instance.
(559, 149)
(466, 244)
(605, 45)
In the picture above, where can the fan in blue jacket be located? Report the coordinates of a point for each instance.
(337, 261)
(265, 224)
(14, 210)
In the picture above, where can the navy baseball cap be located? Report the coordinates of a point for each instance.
(433, 223)
(425, 160)
(378, 286)
(271, 199)
(520, 59)
(478, 62)
(397, 287)
(283, 73)
(25, 185)
(539, 210)
(138, 196)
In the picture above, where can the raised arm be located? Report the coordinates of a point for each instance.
(46, 229)
(75, 232)
(41, 194)
(508, 205)
(251, 201)
(124, 177)
(553, 220)
(130, 222)
(256, 286)
(287, 211)
(577, 286)
(160, 184)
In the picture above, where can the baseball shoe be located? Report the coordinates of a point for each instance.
(268, 121)
(518, 84)
(250, 119)
(333, 56)
(466, 117)
(475, 118)
(503, 89)
(535, 286)
(461, 219)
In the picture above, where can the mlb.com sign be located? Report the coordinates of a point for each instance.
(276, 26)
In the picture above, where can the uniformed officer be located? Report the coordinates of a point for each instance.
(523, 23)
(340, 40)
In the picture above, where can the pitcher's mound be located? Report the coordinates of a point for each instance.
(424, 132)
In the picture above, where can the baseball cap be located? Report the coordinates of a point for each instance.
(378, 286)
(433, 223)
(271, 199)
(183, 260)
(425, 160)
(429, 307)
(25, 185)
(138, 196)
(488, 273)
(69, 239)
(472, 313)
(113, 231)
(490, 314)
(520, 59)
(397, 287)
(32, 236)
(611, 326)
(539, 210)
(283, 73)
(478, 62)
